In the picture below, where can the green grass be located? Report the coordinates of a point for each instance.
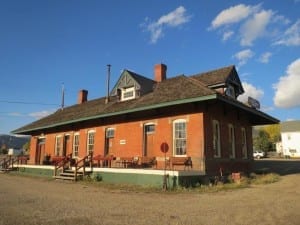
(264, 178)
(245, 182)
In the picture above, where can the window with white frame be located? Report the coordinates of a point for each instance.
(76, 145)
(216, 139)
(128, 93)
(90, 142)
(231, 141)
(58, 145)
(179, 137)
(110, 133)
(149, 128)
(244, 143)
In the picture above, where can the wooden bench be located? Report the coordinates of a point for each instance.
(146, 161)
(103, 161)
(57, 159)
(126, 162)
(181, 161)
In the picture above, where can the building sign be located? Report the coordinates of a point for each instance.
(253, 103)
(122, 142)
(164, 147)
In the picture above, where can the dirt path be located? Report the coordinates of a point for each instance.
(25, 200)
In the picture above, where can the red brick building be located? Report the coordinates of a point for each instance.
(198, 116)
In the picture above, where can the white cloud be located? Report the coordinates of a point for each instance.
(287, 89)
(243, 56)
(280, 19)
(250, 91)
(291, 119)
(41, 114)
(255, 27)
(291, 36)
(172, 19)
(227, 35)
(251, 22)
(233, 14)
(265, 57)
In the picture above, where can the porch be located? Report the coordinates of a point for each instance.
(149, 171)
(151, 177)
(10, 162)
(127, 170)
(142, 162)
(122, 170)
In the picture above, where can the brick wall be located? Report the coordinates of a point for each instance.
(129, 139)
(226, 115)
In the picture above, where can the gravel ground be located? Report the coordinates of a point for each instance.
(27, 200)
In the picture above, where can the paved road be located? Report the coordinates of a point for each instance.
(279, 166)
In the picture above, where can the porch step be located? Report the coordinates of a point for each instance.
(64, 178)
(5, 170)
(69, 175)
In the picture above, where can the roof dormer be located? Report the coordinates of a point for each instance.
(127, 93)
(225, 81)
(131, 86)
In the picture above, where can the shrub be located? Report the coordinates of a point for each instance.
(265, 179)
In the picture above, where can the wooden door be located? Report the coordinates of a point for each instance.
(40, 152)
(148, 140)
(66, 147)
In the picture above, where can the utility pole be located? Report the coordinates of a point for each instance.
(107, 83)
(62, 96)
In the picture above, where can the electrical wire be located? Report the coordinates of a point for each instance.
(27, 103)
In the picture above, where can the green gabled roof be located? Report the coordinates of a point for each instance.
(213, 77)
(173, 91)
(129, 78)
(169, 92)
(220, 77)
(145, 82)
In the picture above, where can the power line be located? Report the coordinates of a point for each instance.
(13, 114)
(27, 103)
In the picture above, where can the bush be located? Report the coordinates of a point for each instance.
(245, 181)
(264, 179)
(96, 177)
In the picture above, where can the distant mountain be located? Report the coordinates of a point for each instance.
(11, 141)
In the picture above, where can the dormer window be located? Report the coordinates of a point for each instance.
(127, 93)
(131, 86)
(230, 91)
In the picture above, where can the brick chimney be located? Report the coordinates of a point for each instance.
(82, 96)
(160, 72)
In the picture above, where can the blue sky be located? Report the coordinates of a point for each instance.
(47, 44)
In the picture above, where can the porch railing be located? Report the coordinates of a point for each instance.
(9, 161)
(82, 163)
(62, 163)
(4, 163)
